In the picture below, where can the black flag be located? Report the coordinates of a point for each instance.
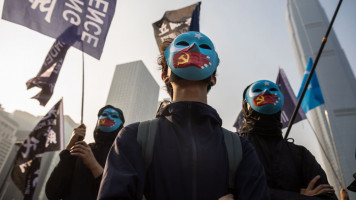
(47, 77)
(290, 101)
(175, 22)
(46, 136)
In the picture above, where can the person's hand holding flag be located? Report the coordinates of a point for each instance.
(78, 134)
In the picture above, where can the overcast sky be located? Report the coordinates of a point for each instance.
(251, 37)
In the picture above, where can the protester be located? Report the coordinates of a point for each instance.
(190, 159)
(79, 171)
(292, 171)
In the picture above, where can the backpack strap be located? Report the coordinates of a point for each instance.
(146, 135)
(297, 154)
(234, 153)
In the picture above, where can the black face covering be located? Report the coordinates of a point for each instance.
(260, 123)
(102, 138)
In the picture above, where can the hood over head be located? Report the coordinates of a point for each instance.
(101, 137)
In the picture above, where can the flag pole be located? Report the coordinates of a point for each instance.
(323, 42)
(333, 144)
(82, 109)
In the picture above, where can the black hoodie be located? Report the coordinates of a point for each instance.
(71, 179)
(288, 167)
(189, 160)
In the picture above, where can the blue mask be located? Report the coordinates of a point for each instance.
(265, 97)
(109, 120)
(192, 56)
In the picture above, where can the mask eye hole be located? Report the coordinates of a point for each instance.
(104, 114)
(273, 89)
(114, 116)
(257, 90)
(204, 46)
(183, 43)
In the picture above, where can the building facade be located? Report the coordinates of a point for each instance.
(134, 91)
(333, 121)
(8, 128)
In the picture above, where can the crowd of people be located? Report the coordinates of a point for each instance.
(184, 153)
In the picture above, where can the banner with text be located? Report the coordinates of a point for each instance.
(53, 17)
(175, 22)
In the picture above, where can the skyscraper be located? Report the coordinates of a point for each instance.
(333, 121)
(134, 91)
(8, 128)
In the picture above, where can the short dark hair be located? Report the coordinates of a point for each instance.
(162, 62)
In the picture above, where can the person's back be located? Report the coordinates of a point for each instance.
(291, 170)
(189, 155)
(189, 139)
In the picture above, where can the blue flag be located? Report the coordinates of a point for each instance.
(290, 101)
(175, 22)
(313, 97)
(53, 17)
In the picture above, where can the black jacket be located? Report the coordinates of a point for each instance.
(288, 167)
(189, 160)
(72, 180)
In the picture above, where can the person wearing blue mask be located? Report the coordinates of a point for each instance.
(189, 159)
(292, 171)
(79, 171)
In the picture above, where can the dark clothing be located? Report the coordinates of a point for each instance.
(288, 167)
(71, 179)
(189, 160)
